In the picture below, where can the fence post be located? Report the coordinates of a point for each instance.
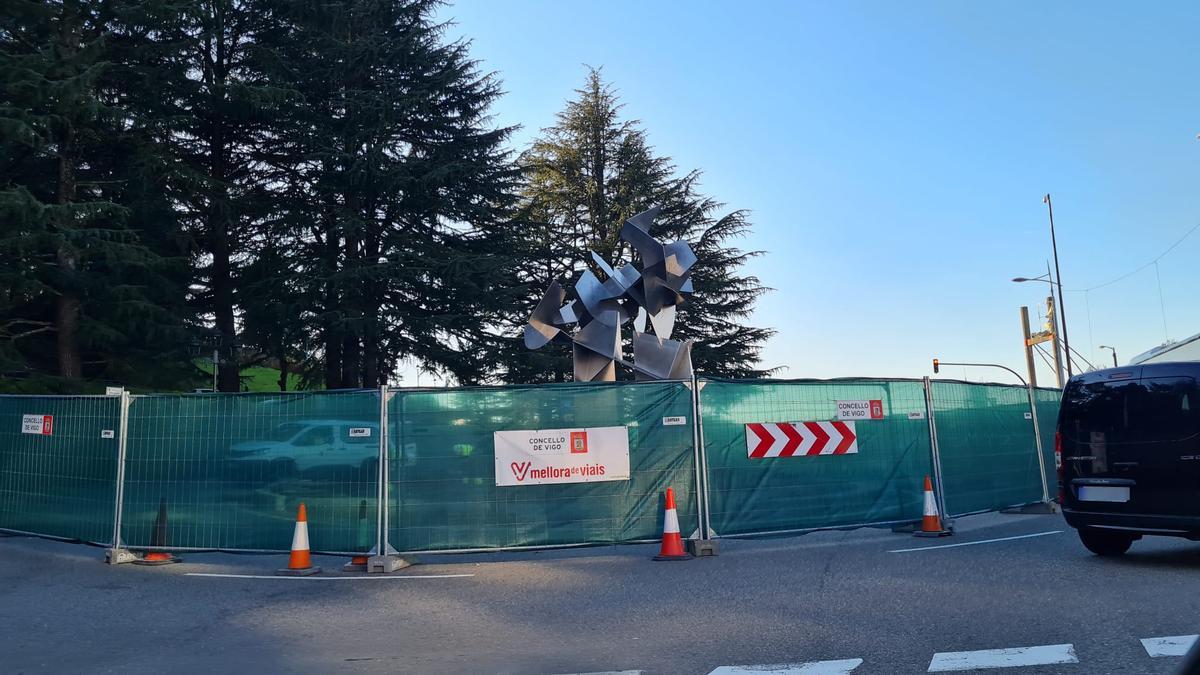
(702, 543)
(1037, 437)
(381, 473)
(117, 554)
(700, 531)
(385, 558)
(934, 451)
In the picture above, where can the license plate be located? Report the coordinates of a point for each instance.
(1103, 493)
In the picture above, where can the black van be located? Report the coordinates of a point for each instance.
(1128, 454)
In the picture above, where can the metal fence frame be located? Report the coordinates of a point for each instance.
(939, 487)
(117, 552)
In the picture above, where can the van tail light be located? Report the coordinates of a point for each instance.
(1058, 463)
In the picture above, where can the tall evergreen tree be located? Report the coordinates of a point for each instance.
(81, 216)
(586, 175)
(393, 186)
(216, 110)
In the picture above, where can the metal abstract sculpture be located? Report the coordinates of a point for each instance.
(601, 308)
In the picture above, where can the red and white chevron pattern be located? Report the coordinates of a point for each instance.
(796, 439)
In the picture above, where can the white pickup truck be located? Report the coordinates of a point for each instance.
(311, 448)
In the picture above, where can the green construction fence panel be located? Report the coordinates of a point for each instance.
(443, 484)
(880, 483)
(58, 465)
(232, 470)
(987, 446)
(1048, 401)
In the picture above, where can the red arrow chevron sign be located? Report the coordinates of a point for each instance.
(800, 439)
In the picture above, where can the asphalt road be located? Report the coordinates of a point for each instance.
(830, 596)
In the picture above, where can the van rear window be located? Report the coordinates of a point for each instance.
(1149, 410)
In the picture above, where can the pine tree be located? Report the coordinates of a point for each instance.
(393, 187)
(216, 110)
(80, 214)
(586, 175)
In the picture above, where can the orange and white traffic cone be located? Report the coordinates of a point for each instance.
(672, 543)
(158, 538)
(358, 563)
(931, 522)
(300, 562)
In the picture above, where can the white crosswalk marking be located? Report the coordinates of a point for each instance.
(840, 667)
(1177, 645)
(1043, 655)
(1003, 658)
(610, 672)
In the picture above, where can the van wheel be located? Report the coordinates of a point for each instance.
(1106, 544)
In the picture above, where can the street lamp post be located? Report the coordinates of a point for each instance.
(1049, 279)
(1114, 351)
(1062, 309)
(1037, 433)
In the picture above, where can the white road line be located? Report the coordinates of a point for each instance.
(321, 578)
(1003, 658)
(610, 672)
(841, 667)
(973, 543)
(1177, 645)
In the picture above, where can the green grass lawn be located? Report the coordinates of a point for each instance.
(256, 378)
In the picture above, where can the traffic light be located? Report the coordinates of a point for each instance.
(935, 366)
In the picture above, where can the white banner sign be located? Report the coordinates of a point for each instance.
(360, 432)
(561, 456)
(37, 424)
(860, 410)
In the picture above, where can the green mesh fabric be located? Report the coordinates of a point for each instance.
(879, 484)
(443, 493)
(987, 446)
(1048, 401)
(62, 484)
(232, 469)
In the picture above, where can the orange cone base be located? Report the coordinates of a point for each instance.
(941, 531)
(155, 558)
(357, 564)
(302, 572)
(672, 548)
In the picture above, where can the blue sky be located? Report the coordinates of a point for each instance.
(894, 156)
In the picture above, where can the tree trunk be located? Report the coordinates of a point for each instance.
(370, 356)
(332, 331)
(352, 297)
(221, 279)
(372, 368)
(222, 293)
(351, 347)
(68, 305)
(66, 321)
(283, 370)
(220, 215)
(350, 361)
(333, 359)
